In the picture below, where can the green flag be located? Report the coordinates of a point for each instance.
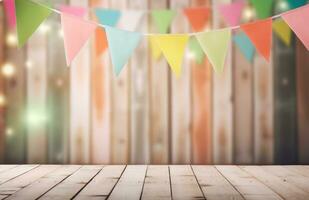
(29, 16)
(196, 51)
(215, 45)
(263, 8)
(163, 19)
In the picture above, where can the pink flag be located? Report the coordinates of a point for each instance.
(73, 10)
(9, 6)
(232, 12)
(76, 32)
(297, 20)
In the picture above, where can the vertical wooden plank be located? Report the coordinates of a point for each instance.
(100, 149)
(159, 101)
(263, 111)
(302, 70)
(243, 106)
(201, 106)
(285, 123)
(130, 184)
(139, 101)
(15, 145)
(36, 116)
(120, 115)
(80, 102)
(222, 104)
(157, 183)
(58, 81)
(2, 92)
(184, 184)
(181, 96)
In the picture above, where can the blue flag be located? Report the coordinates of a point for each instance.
(245, 45)
(108, 17)
(121, 46)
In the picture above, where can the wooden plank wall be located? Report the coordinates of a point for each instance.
(2, 92)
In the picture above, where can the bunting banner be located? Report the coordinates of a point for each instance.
(173, 48)
(29, 17)
(9, 6)
(297, 20)
(198, 17)
(244, 45)
(260, 34)
(76, 33)
(283, 31)
(121, 46)
(232, 12)
(163, 19)
(215, 45)
(122, 43)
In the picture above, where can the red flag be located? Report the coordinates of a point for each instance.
(198, 17)
(260, 34)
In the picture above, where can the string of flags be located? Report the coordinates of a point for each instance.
(27, 16)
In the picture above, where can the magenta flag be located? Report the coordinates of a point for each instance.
(9, 6)
(297, 20)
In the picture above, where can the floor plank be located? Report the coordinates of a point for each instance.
(45, 183)
(246, 184)
(73, 184)
(14, 172)
(286, 190)
(130, 184)
(214, 185)
(302, 170)
(4, 168)
(184, 184)
(157, 183)
(106, 180)
(24, 180)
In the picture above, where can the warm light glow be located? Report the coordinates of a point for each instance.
(8, 70)
(44, 28)
(29, 64)
(59, 82)
(35, 117)
(282, 6)
(2, 100)
(60, 33)
(9, 131)
(248, 14)
(11, 40)
(191, 55)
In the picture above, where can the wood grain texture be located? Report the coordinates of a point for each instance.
(159, 100)
(201, 107)
(302, 70)
(80, 103)
(100, 149)
(181, 97)
(2, 91)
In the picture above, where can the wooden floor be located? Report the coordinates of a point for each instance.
(153, 182)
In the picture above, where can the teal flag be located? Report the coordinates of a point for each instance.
(296, 3)
(108, 17)
(163, 19)
(121, 46)
(29, 16)
(263, 8)
(245, 45)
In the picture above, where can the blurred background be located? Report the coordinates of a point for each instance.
(253, 113)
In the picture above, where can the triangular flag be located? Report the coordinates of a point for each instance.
(76, 32)
(245, 45)
(163, 19)
(283, 31)
(73, 10)
(260, 34)
(121, 46)
(198, 17)
(130, 20)
(297, 20)
(9, 6)
(29, 16)
(196, 51)
(232, 12)
(155, 49)
(100, 41)
(173, 48)
(263, 8)
(215, 45)
(108, 17)
(296, 3)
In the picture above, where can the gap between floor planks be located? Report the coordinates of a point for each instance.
(153, 182)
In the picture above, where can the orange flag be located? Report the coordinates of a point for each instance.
(198, 17)
(260, 34)
(101, 41)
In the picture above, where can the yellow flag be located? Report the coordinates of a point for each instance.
(155, 49)
(173, 48)
(283, 31)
